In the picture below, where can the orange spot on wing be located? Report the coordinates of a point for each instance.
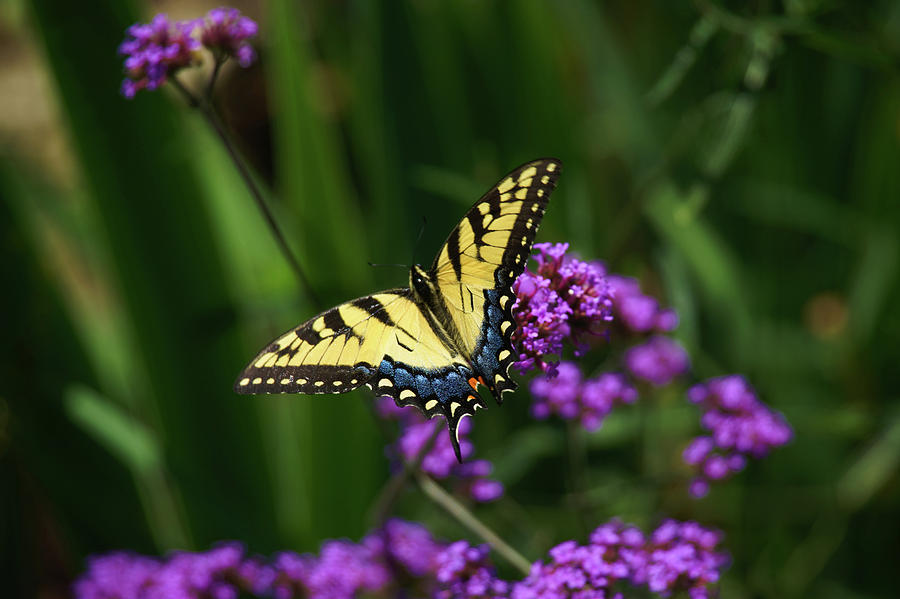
(481, 380)
(473, 382)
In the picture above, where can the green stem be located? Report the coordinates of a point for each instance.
(465, 517)
(212, 119)
(391, 491)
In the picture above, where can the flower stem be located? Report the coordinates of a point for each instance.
(391, 491)
(437, 494)
(212, 119)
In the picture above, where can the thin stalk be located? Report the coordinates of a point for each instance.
(578, 474)
(391, 491)
(465, 517)
(212, 119)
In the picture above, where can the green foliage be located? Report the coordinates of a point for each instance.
(741, 160)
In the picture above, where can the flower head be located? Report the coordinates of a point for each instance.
(465, 572)
(440, 461)
(741, 426)
(155, 51)
(570, 397)
(682, 557)
(658, 360)
(225, 32)
(565, 298)
(636, 312)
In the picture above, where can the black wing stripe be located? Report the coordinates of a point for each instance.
(454, 253)
(375, 308)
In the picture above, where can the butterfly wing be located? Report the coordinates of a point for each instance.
(384, 341)
(475, 269)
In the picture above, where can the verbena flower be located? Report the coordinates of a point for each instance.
(223, 572)
(741, 426)
(564, 299)
(682, 557)
(677, 557)
(225, 32)
(400, 555)
(635, 312)
(465, 572)
(570, 397)
(658, 360)
(156, 50)
(440, 461)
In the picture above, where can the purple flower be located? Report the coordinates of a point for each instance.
(682, 557)
(220, 573)
(565, 298)
(741, 426)
(465, 572)
(225, 32)
(440, 461)
(636, 312)
(156, 50)
(116, 575)
(571, 398)
(658, 360)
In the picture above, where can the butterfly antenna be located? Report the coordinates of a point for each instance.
(373, 264)
(419, 238)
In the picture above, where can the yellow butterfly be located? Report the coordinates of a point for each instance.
(433, 343)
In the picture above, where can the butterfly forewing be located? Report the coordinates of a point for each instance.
(476, 267)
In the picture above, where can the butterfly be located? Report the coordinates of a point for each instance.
(432, 344)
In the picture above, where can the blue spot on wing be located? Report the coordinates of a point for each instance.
(450, 387)
(423, 386)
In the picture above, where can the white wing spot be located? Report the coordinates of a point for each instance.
(257, 381)
(406, 393)
(431, 404)
(453, 407)
(353, 381)
(506, 324)
(337, 383)
(301, 381)
(534, 207)
(244, 382)
(529, 223)
(319, 383)
(271, 381)
(545, 179)
(551, 167)
(504, 354)
(285, 381)
(385, 382)
(540, 193)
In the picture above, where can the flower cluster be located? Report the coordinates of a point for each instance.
(677, 557)
(225, 32)
(740, 424)
(658, 360)
(399, 554)
(222, 572)
(440, 461)
(565, 298)
(635, 312)
(571, 397)
(465, 572)
(157, 50)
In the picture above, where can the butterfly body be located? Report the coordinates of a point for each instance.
(432, 344)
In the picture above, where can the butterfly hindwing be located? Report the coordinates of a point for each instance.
(483, 256)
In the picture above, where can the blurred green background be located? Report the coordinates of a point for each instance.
(741, 158)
